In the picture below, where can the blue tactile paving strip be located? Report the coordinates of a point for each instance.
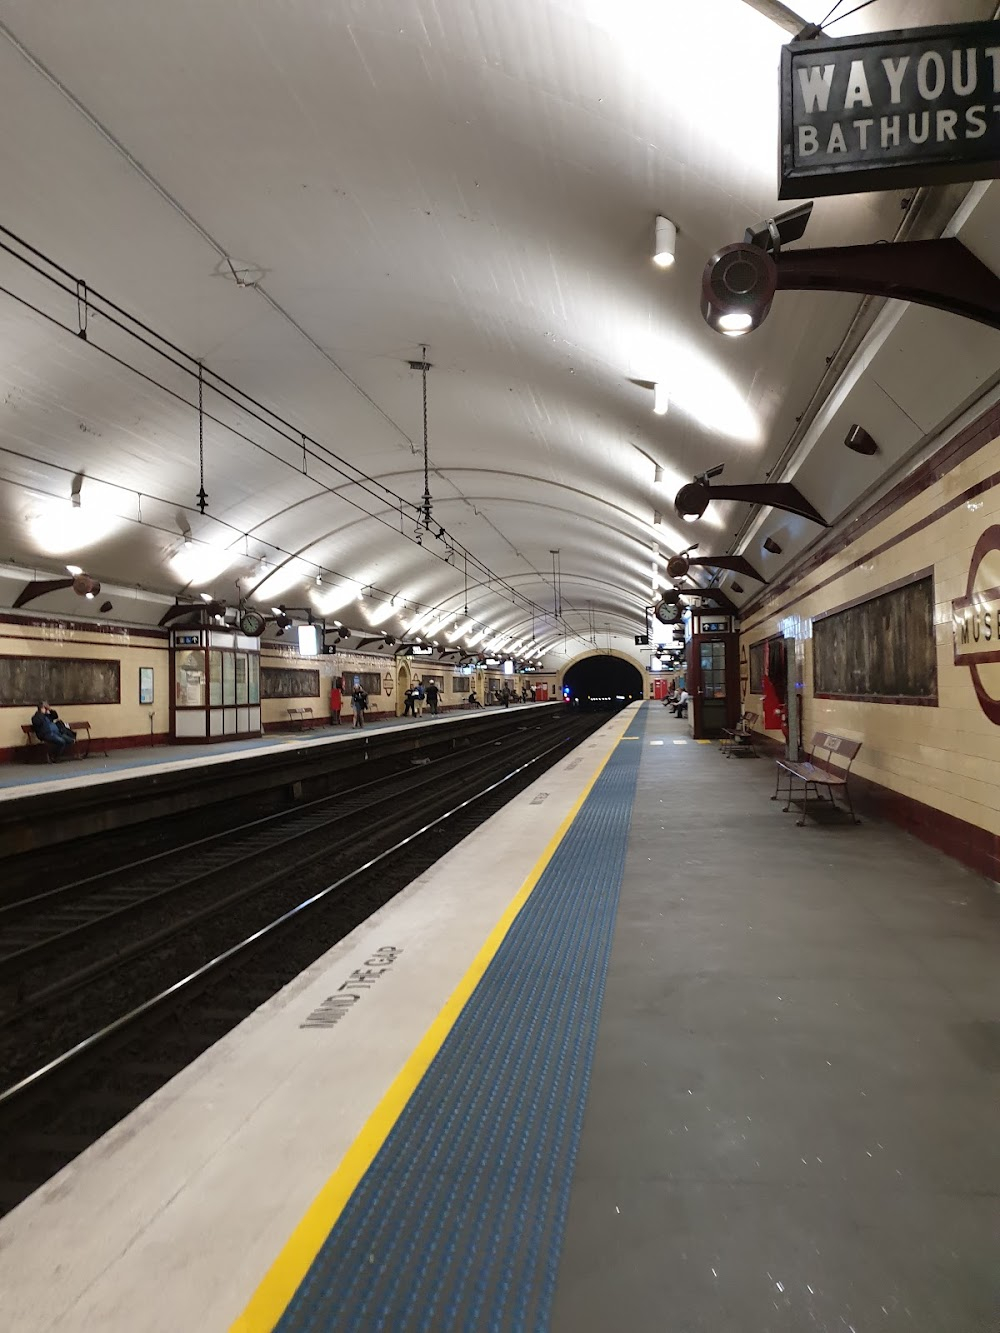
(458, 1222)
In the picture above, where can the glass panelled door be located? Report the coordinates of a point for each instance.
(711, 701)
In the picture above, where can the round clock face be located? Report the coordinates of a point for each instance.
(252, 624)
(668, 613)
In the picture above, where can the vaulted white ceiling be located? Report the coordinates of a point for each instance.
(303, 195)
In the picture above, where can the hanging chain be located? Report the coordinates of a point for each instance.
(82, 308)
(427, 487)
(202, 497)
(305, 470)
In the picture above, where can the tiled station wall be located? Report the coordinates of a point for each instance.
(935, 769)
(130, 723)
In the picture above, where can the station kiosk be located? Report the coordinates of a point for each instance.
(215, 673)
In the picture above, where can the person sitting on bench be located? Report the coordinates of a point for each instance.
(681, 706)
(50, 730)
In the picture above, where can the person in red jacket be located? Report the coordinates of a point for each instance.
(336, 702)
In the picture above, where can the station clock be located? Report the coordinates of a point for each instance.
(252, 624)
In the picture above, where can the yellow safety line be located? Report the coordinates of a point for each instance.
(282, 1279)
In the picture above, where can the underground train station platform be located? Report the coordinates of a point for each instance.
(640, 1053)
(69, 799)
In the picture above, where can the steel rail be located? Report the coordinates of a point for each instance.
(34, 954)
(89, 1044)
(11, 911)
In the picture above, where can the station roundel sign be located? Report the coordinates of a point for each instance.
(252, 624)
(976, 623)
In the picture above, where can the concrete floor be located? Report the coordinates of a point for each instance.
(792, 1121)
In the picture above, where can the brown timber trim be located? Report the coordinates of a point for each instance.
(966, 843)
(977, 435)
(84, 626)
(895, 586)
(144, 740)
(921, 701)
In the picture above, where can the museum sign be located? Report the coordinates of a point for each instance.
(976, 623)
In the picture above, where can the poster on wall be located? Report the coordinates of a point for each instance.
(145, 685)
(189, 678)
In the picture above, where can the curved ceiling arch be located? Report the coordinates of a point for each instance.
(576, 515)
(610, 608)
(480, 198)
(533, 479)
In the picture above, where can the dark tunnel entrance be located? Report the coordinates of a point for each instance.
(603, 682)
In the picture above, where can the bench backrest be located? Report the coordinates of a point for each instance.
(834, 745)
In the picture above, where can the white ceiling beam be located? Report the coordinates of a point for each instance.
(780, 14)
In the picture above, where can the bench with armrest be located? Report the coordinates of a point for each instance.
(739, 739)
(300, 718)
(810, 774)
(81, 748)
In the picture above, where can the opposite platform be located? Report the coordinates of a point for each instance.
(20, 780)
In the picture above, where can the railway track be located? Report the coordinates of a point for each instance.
(80, 1051)
(40, 933)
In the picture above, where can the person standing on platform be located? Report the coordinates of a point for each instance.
(359, 702)
(336, 702)
(432, 697)
(409, 707)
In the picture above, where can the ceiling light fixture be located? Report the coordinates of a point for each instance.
(74, 570)
(860, 441)
(661, 402)
(665, 242)
(734, 323)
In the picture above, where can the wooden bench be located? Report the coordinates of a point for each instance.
(300, 717)
(80, 728)
(810, 774)
(739, 739)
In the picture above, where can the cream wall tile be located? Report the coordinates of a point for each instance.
(948, 756)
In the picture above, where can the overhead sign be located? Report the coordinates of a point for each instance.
(890, 110)
(976, 623)
(419, 651)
